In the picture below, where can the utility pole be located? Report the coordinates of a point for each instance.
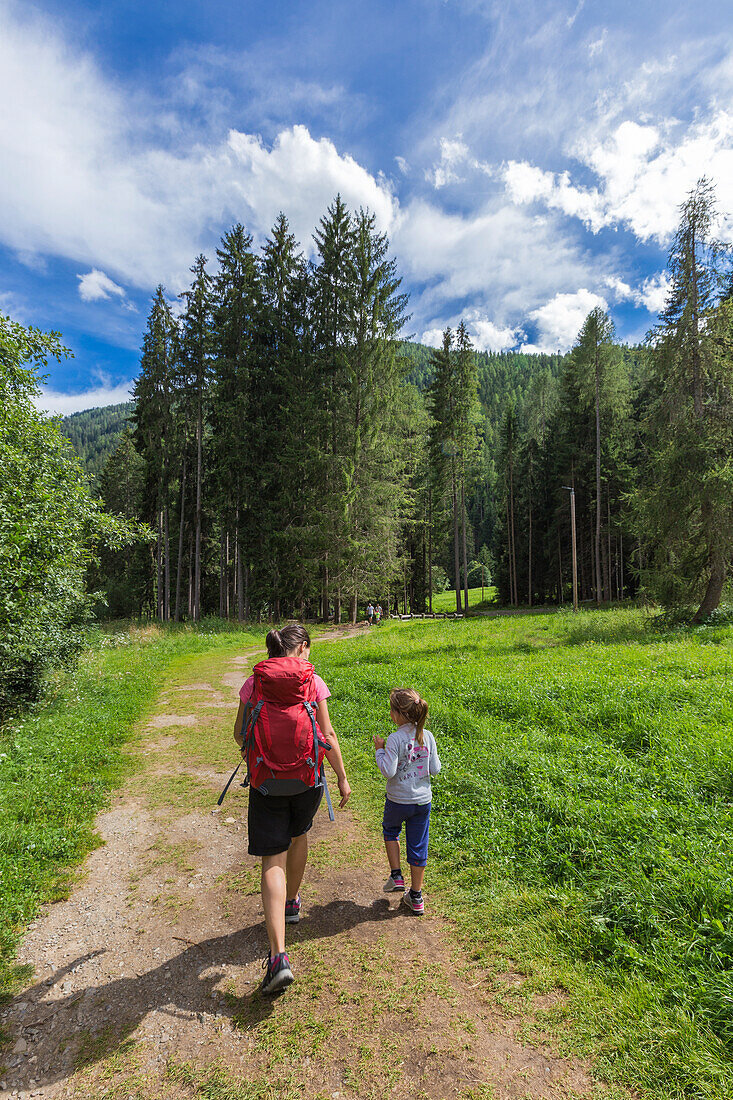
(571, 490)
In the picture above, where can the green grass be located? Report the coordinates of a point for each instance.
(446, 601)
(584, 812)
(59, 761)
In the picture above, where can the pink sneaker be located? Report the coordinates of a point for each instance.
(292, 910)
(394, 882)
(415, 903)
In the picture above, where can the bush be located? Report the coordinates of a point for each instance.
(49, 524)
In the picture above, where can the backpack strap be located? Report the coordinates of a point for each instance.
(229, 783)
(249, 726)
(320, 773)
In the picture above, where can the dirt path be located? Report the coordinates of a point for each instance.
(146, 977)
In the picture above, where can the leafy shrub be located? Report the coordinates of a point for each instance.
(49, 524)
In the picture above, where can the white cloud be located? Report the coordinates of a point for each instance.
(485, 335)
(403, 165)
(571, 18)
(453, 153)
(455, 157)
(654, 292)
(95, 286)
(644, 173)
(81, 180)
(433, 337)
(597, 45)
(622, 291)
(64, 404)
(504, 260)
(559, 321)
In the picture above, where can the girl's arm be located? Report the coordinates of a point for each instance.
(434, 764)
(333, 755)
(387, 757)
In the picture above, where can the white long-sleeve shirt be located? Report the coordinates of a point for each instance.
(407, 765)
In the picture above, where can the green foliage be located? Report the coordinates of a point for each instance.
(584, 808)
(47, 520)
(50, 525)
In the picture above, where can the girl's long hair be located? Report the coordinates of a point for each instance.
(281, 643)
(409, 704)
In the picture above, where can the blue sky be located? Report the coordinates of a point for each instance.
(526, 159)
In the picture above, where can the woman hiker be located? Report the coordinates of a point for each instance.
(278, 823)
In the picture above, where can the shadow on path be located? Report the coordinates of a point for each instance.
(106, 1014)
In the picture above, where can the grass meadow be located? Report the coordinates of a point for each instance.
(445, 602)
(582, 825)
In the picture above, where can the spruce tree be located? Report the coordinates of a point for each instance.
(684, 502)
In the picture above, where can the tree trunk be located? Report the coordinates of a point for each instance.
(598, 482)
(430, 550)
(199, 478)
(529, 554)
(159, 567)
(714, 590)
(463, 541)
(222, 545)
(607, 569)
(456, 554)
(190, 577)
(167, 579)
(512, 600)
(514, 544)
(179, 563)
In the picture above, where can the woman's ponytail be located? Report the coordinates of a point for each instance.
(274, 644)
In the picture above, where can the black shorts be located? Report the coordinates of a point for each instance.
(273, 820)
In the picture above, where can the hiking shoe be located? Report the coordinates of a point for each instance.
(278, 976)
(415, 903)
(292, 910)
(394, 882)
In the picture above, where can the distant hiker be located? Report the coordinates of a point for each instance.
(370, 612)
(276, 725)
(407, 759)
(377, 613)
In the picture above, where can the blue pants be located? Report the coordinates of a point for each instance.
(417, 828)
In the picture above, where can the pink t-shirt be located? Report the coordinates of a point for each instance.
(322, 692)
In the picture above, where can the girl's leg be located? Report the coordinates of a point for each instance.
(417, 874)
(417, 835)
(273, 900)
(393, 853)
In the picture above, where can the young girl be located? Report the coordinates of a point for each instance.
(407, 759)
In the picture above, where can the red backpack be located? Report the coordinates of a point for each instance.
(282, 741)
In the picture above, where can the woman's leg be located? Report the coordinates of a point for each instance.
(295, 865)
(273, 900)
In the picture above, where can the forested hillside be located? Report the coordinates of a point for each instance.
(95, 433)
(502, 377)
(296, 455)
